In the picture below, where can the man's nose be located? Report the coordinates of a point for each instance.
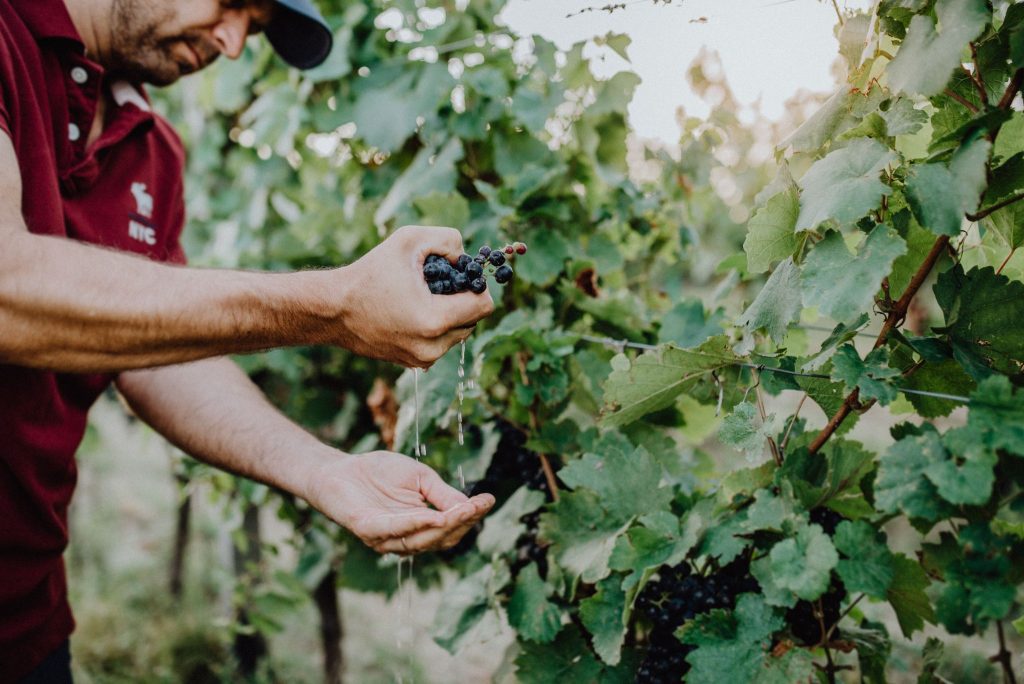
(230, 33)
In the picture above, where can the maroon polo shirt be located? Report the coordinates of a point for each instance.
(123, 192)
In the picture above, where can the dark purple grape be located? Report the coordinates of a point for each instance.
(460, 282)
(496, 258)
(503, 274)
(484, 251)
(433, 271)
(463, 261)
(474, 270)
(478, 285)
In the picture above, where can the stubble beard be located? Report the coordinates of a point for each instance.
(138, 53)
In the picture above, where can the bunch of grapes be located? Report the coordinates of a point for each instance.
(806, 624)
(470, 273)
(675, 597)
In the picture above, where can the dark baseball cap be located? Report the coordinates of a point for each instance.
(299, 34)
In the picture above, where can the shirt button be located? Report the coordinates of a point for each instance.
(79, 75)
(74, 133)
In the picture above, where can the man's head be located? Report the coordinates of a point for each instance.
(158, 42)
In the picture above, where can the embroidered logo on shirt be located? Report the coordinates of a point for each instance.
(139, 226)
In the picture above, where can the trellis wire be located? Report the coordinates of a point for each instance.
(760, 367)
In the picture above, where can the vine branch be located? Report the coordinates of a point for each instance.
(996, 207)
(893, 319)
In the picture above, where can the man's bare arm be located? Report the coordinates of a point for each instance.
(69, 306)
(211, 410)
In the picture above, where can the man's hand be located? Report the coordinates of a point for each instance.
(393, 503)
(390, 314)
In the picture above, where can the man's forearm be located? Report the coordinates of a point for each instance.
(74, 307)
(211, 410)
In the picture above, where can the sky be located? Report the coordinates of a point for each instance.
(769, 49)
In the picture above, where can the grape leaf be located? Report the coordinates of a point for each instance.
(841, 334)
(777, 304)
(872, 376)
(940, 196)
(874, 646)
(903, 117)
(868, 563)
(655, 379)
(797, 568)
(946, 377)
(927, 58)
(604, 616)
(530, 612)
(983, 312)
(734, 648)
(582, 535)
(907, 595)
(996, 417)
(627, 485)
(845, 185)
(688, 325)
(466, 602)
(389, 100)
(966, 475)
(660, 539)
(744, 431)
(770, 232)
(842, 111)
(842, 286)
(919, 243)
(567, 659)
(502, 527)
(902, 483)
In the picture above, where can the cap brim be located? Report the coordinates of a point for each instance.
(299, 34)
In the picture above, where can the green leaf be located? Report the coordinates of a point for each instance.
(845, 185)
(997, 415)
(983, 313)
(919, 243)
(604, 616)
(659, 540)
(442, 209)
(734, 648)
(655, 379)
(868, 563)
(902, 483)
(941, 195)
(744, 430)
(530, 612)
(582, 535)
(927, 58)
(848, 464)
(843, 286)
(465, 604)
(566, 659)
(945, 377)
(687, 325)
(966, 475)
(872, 376)
(873, 649)
(503, 527)
(903, 117)
(432, 171)
(797, 568)
(907, 595)
(389, 100)
(627, 485)
(777, 304)
(771, 234)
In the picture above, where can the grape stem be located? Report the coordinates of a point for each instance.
(1004, 657)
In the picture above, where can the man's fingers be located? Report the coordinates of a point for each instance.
(438, 493)
(396, 525)
(444, 241)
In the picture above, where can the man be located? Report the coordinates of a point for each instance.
(83, 157)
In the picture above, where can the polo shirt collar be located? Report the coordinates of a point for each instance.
(47, 19)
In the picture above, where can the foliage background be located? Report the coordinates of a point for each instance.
(431, 113)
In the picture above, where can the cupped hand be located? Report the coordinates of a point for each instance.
(389, 312)
(393, 503)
